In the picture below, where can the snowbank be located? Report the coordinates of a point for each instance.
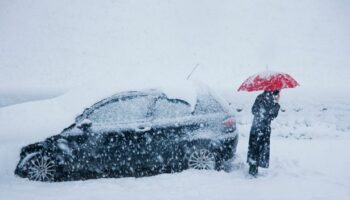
(38, 120)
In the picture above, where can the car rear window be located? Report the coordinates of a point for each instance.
(165, 108)
(207, 104)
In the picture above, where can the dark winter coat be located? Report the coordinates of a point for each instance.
(265, 109)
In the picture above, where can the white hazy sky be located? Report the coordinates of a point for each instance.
(66, 43)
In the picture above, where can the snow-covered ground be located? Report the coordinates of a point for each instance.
(300, 169)
(310, 159)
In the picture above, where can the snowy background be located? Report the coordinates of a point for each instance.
(69, 54)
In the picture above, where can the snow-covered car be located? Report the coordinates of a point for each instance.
(135, 133)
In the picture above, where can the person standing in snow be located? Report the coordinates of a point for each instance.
(265, 109)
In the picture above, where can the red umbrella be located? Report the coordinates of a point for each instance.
(268, 80)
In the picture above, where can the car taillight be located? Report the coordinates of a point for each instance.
(229, 124)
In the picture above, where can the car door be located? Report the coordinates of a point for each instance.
(170, 124)
(121, 125)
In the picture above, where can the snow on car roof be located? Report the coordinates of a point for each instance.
(90, 94)
(186, 91)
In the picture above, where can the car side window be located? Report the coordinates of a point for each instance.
(122, 110)
(165, 108)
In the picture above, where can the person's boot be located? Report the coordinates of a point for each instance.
(253, 170)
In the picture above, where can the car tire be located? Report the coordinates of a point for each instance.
(200, 156)
(42, 167)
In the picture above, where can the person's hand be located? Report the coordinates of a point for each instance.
(276, 98)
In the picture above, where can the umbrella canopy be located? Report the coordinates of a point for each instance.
(269, 81)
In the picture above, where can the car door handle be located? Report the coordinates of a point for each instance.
(142, 128)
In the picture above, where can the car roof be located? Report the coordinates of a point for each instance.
(151, 92)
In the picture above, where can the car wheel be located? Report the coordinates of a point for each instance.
(42, 168)
(202, 159)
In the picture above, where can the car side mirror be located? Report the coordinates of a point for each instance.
(85, 124)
